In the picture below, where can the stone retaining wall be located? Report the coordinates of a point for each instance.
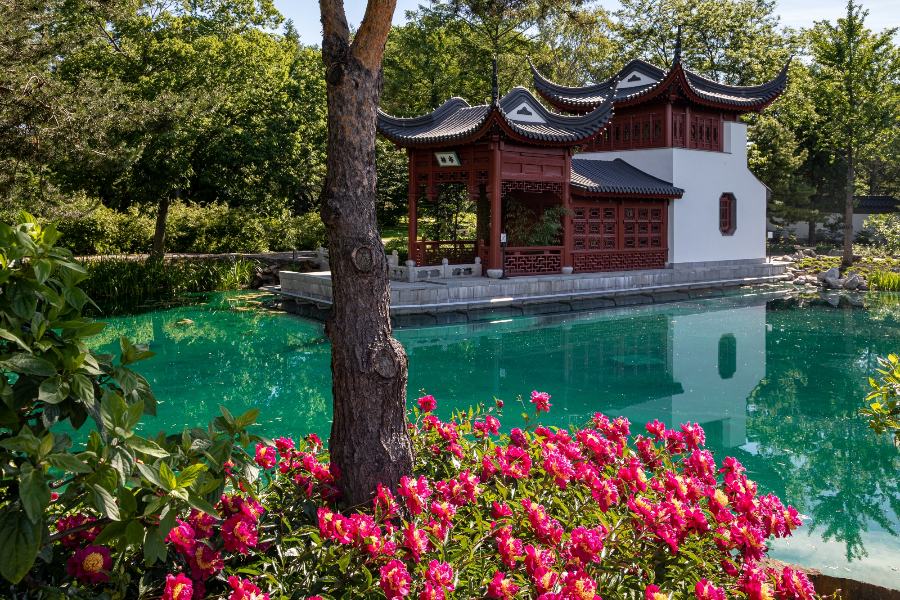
(826, 585)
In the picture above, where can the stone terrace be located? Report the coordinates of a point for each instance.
(469, 299)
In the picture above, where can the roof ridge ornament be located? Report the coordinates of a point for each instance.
(677, 59)
(495, 90)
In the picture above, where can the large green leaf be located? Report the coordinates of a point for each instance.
(188, 475)
(33, 492)
(82, 387)
(167, 477)
(29, 365)
(67, 462)
(19, 539)
(104, 502)
(146, 446)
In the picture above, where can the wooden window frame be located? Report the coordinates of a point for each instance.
(727, 214)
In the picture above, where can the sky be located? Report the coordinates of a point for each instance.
(795, 13)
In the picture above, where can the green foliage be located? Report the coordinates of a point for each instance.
(401, 245)
(775, 158)
(192, 228)
(884, 412)
(885, 229)
(120, 278)
(130, 488)
(524, 227)
(884, 281)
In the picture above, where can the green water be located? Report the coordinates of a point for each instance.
(775, 380)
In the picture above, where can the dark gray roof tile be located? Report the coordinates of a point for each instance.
(617, 177)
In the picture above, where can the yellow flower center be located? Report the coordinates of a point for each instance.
(92, 563)
(584, 590)
(721, 498)
(659, 596)
(766, 592)
(176, 593)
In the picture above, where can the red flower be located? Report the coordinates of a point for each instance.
(793, 585)
(500, 510)
(427, 404)
(517, 437)
(544, 579)
(587, 544)
(266, 456)
(498, 402)
(580, 586)
(204, 561)
(502, 587)
(182, 536)
(416, 493)
(509, 547)
(239, 533)
(605, 493)
(416, 540)
(707, 591)
(440, 574)
(244, 590)
(385, 502)
(71, 541)
(431, 592)
(178, 588)
(201, 523)
(542, 400)
(284, 445)
(558, 466)
(395, 580)
(88, 564)
(651, 592)
(693, 435)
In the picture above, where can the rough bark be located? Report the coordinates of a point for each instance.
(159, 235)
(370, 443)
(847, 261)
(812, 233)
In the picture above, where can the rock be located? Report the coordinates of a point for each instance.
(832, 273)
(834, 282)
(809, 252)
(851, 283)
(800, 281)
(863, 287)
(257, 281)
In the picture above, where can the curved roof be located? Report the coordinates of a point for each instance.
(617, 177)
(639, 78)
(518, 113)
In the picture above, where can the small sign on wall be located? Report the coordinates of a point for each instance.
(447, 159)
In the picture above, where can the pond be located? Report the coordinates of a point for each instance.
(775, 378)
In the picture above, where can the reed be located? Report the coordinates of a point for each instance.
(127, 278)
(884, 281)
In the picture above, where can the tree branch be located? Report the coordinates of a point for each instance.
(368, 45)
(77, 529)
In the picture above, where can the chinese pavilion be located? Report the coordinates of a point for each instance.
(650, 164)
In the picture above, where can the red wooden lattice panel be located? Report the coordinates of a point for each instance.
(530, 186)
(595, 227)
(431, 253)
(533, 261)
(595, 262)
(642, 226)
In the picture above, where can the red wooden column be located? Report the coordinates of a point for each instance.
(568, 259)
(495, 189)
(413, 231)
(669, 124)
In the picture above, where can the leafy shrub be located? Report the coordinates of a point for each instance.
(526, 228)
(120, 278)
(885, 229)
(121, 492)
(401, 245)
(884, 412)
(210, 229)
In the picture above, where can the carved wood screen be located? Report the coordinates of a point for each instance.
(619, 235)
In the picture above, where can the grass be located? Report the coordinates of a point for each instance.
(863, 266)
(885, 281)
(116, 279)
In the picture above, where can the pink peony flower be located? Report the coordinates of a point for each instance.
(239, 533)
(395, 580)
(182, 536)
(580, 586)
(204, 561)
(498, 511)
(88, 564)
(792, 585)
(498, 402)
(440, 574)
(427, 404)
(502, 587)
(707, 591)
(72, 541)
(542, 400)
(284, 445)
(517, 437)
(431, 592)
(416, 493)
(244, 590)
(266, 456)
(178, 588)
(586, 545)
(651, 592)
(416, 540)
(385, 501)
(201, 523)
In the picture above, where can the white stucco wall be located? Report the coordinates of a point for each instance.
(801, 230)
(694, 235)
(695, 365)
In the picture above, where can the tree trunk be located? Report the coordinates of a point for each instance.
(848, 213)
(370, 443)
(812, 233)
(159, 235)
